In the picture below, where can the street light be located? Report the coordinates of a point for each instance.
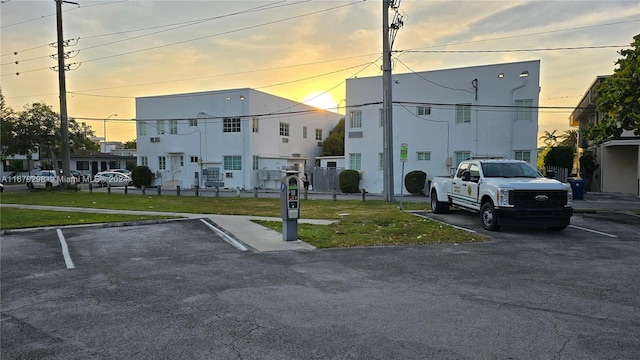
(105, 129)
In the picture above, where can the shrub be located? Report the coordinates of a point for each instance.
(414, 182)
(561, 156)
(141, 176)
(349, 181)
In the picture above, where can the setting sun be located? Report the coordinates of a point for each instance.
(321, 101)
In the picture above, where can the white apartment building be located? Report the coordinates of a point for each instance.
(240, 138)
(444, 117)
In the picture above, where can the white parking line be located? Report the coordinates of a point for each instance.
(65, 251)
(593, 231)
(225, 237)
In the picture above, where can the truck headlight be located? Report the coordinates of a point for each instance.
(503, 197)
(569, 196)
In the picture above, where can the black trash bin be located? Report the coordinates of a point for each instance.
(577, 185)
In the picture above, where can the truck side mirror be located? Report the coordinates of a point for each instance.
(466, 175)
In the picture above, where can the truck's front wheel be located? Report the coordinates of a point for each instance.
(438, 207)
(489, 217)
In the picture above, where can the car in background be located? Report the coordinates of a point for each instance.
(111, 178)
(47, 179)
(123, 171)
(1, 187)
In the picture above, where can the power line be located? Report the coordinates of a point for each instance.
(513, 50)
(432, 82)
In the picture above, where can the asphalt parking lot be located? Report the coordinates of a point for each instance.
(177, 290)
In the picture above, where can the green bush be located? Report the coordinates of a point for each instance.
(141, 176)
(349, 181)
(414, 182)
(560, 156)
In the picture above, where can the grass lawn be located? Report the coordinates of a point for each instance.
(359, 223)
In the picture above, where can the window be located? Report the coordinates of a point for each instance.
(381, 117)
(304, 132)
(193, 122)
(423, 155)
(423, 110)
(233, 162)
(256, 162)
(173, 126)
(181, 160)
(162, 163)
(355, 161)
(231, 125)
(82, 165)
(144, 161)
(463, 113)
(284, 129)
(355, 120)
(380, 161)
(462, 156)
(522, 155)
(524, 109)
(254, 125)
(160, 127)
(194, 159)
(319, 134)
(142, 129)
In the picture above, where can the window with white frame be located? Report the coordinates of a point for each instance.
(304, 132)
(319, 134)
(523, 155)
(355, 161)
(524, 109)
(461, 156)
(193, 122)
(162, 163)
(232, 162)
(355, 120)
(256, 162)
(144, 161)
(173, 126)
(142, 128)
(423, 155)
(284, 129)
(380, 161)
(423, 110)
(230, 125)
(381, 117)
(463, 113)
(193, 159)
(160, 127)
(254, 125)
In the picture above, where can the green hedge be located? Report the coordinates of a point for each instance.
(414, 182)
(349, 181)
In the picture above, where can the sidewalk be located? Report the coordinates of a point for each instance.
(607, 202)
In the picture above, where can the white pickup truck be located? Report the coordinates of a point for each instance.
(504, 192)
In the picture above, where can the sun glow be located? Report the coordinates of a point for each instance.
(321, 101)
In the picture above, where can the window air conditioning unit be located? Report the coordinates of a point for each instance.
(155, 139)
(296, 155)
(285, 140)
(229, 175)
(320, 143)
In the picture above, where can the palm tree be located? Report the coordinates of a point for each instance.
(570, 138)
(549, 138)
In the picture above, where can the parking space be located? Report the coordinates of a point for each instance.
(623, 226)
(179, 290)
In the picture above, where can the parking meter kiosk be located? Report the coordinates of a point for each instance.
(290, 204)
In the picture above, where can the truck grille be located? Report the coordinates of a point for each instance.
(536, 198)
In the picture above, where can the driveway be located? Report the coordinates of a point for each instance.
(177, 290)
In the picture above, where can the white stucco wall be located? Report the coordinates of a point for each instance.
(491, 91)
(210, 144)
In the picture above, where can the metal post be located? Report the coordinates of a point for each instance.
(363, 192)
(90, 187)
(217, 191)
(108, 188)
(255, 192)
(159, 190)
(401, 185)
(197, 189)
(126, 189)
(334, 194)
(306, 193)
(144, 189)
(177, 190)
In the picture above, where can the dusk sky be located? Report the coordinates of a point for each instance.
(295, 49)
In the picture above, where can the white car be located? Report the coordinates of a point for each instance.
(111, 178)
(122, 171)
(47, 179)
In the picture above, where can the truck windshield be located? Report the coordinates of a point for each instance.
(509, 170)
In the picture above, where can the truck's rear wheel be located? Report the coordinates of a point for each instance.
(489, 217)
(438, 207)
(557, 228)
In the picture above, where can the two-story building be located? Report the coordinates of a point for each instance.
(444, 117)
(618, 158)
(240, 138)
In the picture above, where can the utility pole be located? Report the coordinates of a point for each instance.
(388, 36)
(64, 124)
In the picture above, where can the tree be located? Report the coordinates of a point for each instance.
(131, 144)
(333, 145)
(618, 97)
(570, 138)
(560, 156)
(549, 138)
